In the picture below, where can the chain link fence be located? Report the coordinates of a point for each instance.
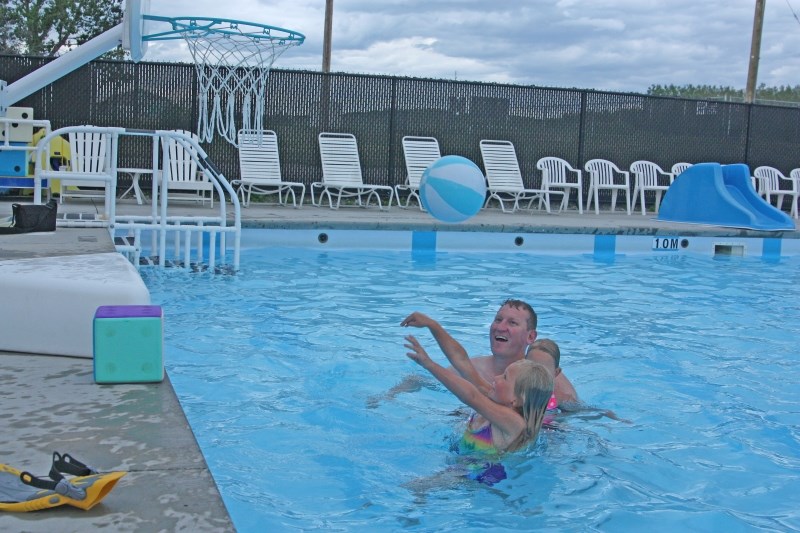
(576, 125)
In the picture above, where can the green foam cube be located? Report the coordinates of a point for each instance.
(128, 344)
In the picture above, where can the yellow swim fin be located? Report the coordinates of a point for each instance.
(24, 492)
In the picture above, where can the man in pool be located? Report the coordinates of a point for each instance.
(510, 333)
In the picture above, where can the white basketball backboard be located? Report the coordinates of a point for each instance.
(134, 27)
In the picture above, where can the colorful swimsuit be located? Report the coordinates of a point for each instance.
(552, 408)
(553, 403)
(479, 442)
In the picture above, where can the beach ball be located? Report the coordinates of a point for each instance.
(452, 189)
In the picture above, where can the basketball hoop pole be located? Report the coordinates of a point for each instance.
(232, 58)
(61, 66)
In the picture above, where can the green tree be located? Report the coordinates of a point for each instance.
(763, 93)
(6, 38)
(50, 27)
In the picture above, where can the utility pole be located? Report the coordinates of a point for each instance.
(755, 52)
(325, 96)
(326, 46)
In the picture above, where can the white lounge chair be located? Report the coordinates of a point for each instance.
(765, 183)
(649, 177)
(185, 181)
(260, 168)
(419, 153)
(795, 176)
(557, 173)
(770, 178)
(90, 154)
(504, 178)
(678, 168)
(341, 173)
(604, 174)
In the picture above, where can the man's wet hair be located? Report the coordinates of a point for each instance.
(519, 304)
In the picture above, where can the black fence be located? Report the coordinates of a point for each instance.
(576, 125)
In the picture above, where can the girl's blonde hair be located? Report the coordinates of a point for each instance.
(533, 387)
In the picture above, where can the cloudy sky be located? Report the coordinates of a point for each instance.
(618, 45)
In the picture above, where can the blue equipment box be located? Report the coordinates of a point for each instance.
(14, 162)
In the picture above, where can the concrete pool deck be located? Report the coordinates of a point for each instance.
(51, 403)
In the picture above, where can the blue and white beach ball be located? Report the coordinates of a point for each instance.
(452, 189)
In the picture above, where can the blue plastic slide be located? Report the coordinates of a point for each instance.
(720, 195)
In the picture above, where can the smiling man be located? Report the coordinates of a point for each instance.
(510, 333)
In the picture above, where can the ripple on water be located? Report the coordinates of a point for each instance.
(283, 371)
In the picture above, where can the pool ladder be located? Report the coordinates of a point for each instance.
(127, 231)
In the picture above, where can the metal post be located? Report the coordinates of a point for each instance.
(392, 113)
(755, 52)
(326, 46)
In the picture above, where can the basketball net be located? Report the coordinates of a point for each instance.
(232, 67)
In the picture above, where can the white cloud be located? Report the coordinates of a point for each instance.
(599, 23)
(602, 44)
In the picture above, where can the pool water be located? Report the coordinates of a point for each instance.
(283, 368)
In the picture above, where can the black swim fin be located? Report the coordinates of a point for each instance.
(23, 492)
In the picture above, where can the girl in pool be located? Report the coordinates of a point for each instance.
(510, 411)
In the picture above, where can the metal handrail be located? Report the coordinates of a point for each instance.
(160, 222)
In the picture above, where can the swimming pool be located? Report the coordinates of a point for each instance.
(281, 371)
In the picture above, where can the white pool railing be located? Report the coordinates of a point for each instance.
(159, 223)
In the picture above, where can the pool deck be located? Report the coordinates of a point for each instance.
(51, 403)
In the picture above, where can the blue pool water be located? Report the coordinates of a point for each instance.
(282, 369)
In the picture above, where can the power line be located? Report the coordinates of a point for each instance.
(793, 12)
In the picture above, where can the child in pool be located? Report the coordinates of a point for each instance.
(508, 412)
(547, 353)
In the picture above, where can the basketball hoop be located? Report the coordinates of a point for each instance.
(233, 60)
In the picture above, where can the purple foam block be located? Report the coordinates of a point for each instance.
(128, 311)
